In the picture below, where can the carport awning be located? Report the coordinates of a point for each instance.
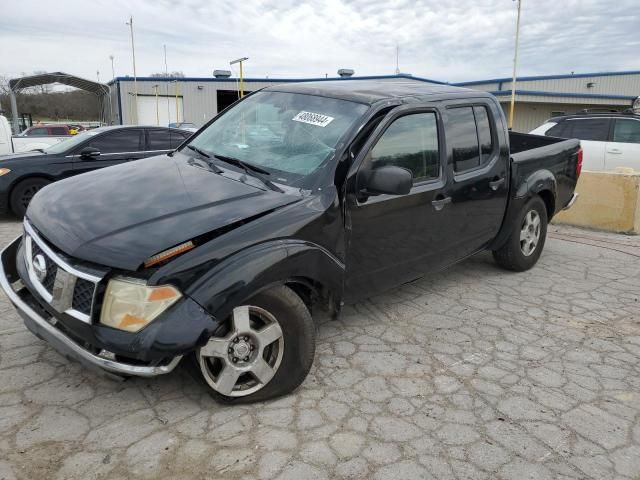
(17, 84)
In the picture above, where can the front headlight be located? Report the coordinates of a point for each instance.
(131, 305)
(4, 171)
(635, 106)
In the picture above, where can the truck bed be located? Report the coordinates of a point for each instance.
(530, 153)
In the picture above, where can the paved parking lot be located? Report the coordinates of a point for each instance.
(472, 373)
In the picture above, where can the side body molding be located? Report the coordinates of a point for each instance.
(245, 273)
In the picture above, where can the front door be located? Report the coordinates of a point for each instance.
(116, 147)
(392, 239)
(624, 150)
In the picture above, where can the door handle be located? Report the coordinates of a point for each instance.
(494, 184)
(440, 202)
(614, 150)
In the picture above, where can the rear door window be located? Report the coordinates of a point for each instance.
(594, 129)
(471, 137)
(626, 131)
(559, 130)
(59, 131)
(122, 141)
(463, 136)
(159, 139)
(39, 132)
(177, 138)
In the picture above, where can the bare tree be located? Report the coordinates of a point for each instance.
(175, 74)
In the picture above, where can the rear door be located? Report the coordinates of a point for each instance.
(116, 147)
(478, 165)
(593, 134)
(624, 148)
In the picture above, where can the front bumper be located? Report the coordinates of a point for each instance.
(96, 357)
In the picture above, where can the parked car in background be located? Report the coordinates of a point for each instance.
(23, 174)
(46, 131)
(222, 248)
(191, 127)
(609, 140)
(21, 143)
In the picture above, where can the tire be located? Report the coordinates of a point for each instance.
(524, 246)
(23, 193)
(242, 352)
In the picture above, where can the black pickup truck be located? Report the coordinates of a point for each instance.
(298, 196)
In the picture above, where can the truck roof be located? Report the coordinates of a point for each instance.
(373, 91)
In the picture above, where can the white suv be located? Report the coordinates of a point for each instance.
(609, 140)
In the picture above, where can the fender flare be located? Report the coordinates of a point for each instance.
(539, 181)
(261, 266)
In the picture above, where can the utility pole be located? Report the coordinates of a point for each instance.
(515, 64)
(133, 56)
(240, 60)
(113, 70)
(397, 59)
(98, 75)
(166, 74)
(177, 109)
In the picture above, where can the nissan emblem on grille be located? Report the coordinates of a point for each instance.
(40, 267)
(66, 288)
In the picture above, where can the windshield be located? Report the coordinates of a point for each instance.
(287, 134)
(69, 143)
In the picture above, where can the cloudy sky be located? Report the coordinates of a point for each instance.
(448, 40)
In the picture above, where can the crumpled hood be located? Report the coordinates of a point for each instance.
(120, 216)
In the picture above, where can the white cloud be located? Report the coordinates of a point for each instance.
(448, 40)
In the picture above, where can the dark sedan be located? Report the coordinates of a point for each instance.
(23, 174)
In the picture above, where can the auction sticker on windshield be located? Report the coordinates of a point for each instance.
(311, 118)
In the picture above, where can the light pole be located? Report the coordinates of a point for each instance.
(98, 75)
(515, 63)
(113, 71)
(133, 56)
(240, 60)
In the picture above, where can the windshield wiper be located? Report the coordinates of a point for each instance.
(250, 169)
(212, 166)
(197, 150)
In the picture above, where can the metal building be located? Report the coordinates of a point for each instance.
(196, 100)
(541, 97)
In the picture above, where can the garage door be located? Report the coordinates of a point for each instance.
(166, 110)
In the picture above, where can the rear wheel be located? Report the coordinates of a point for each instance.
(524, 246)
(264, 350)
(23, 193)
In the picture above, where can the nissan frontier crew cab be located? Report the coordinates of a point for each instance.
(296, 197)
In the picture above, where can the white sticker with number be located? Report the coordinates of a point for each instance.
(317, 119)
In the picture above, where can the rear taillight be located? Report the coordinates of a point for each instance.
(579, 162)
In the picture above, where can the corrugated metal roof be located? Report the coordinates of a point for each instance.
(274, 80)
(17, 84)
(549, 77)
(536, 93)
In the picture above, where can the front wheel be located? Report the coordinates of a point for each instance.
(23, 193)
(264, 350)
(524, 246)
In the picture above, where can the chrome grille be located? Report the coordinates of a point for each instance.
(66, 288)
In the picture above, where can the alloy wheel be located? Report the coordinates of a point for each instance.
(530, 233)
(247, 357)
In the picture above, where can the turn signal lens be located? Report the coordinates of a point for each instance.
(4, 171)
(131, 305)
(167, 254)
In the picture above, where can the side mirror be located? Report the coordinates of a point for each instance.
(390, 180)
(89, 152)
